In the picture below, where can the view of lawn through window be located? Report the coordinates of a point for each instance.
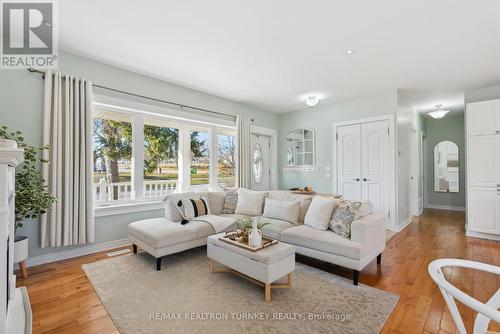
(226, 160)
(113, 155)
(200, 159)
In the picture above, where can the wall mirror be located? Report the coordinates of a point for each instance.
(300, 148)
(446, 167)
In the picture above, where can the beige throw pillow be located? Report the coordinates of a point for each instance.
(250, 203)
(282, 210)
(320, 212)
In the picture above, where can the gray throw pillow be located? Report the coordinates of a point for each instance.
(230, 201)
(343, 215)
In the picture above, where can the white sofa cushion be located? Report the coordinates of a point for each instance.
(325, 241)
(275, 227)
(160, 232)
(216, 202)
(365, 209)
(285, 195)
(250, 202)
(320, 212)
(282, 210)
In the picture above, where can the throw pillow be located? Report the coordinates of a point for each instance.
(250, 203)
(230, 201)
(320, 212)
(190, 208)
(344, 214)
(283, 210)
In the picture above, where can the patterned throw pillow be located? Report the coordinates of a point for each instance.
(230, 201)
(190, 208)
(343, 215)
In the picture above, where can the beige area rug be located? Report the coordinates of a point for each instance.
(185, 297)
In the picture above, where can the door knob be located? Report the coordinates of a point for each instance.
(365, 179)
(356, 179)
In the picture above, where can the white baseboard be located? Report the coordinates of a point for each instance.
(71, 253)
(482, 235)
(445, 207)
(401, 226)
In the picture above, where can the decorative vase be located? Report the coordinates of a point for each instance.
(255, 238)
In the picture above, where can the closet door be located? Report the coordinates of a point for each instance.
(349, 161)
(375, 165)
(484, 160)
(484, 207)
(483, 118)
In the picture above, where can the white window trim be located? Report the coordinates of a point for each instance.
(127, 207)
(185, 122)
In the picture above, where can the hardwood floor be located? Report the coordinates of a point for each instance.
(64, 301)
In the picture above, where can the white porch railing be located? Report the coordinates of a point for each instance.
(125, 191)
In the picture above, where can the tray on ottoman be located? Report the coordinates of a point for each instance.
(266, 242)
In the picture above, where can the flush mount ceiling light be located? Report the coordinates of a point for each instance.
(312, 101)
(349, 52)
(438, 113)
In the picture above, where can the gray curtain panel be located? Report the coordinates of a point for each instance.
(67, 128)
(244, 158)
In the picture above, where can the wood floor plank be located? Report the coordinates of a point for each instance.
(64, 301)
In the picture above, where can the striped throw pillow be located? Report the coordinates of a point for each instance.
(190, 208)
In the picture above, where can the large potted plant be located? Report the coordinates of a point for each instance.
(32, 198)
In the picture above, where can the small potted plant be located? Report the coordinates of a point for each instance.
(32, 198)
(245, 224)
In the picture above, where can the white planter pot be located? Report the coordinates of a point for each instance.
(20, 248)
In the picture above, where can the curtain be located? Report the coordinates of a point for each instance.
(67, 129)
(244, 157)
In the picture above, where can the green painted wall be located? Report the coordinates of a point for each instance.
(449, 128)
(21, 108)
(321, 119)
(408, 122)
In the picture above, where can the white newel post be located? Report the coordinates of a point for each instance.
(18, 316)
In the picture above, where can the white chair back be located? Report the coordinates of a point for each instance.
(486, 311)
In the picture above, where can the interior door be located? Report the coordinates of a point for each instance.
(260, 160)
(349, 161)
(375, 165)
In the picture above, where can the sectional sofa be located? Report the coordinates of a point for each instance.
(163, 236)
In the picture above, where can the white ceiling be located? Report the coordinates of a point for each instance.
(272, 53)
(424, 101)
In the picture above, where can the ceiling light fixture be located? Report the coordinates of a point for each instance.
(438, 113)
(312, 101)
(349, 52)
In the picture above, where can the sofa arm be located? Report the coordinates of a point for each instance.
(369, 231)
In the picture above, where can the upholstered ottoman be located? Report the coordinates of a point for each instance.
(160, 236)
(265, 266)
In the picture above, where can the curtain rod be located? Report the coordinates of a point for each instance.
(33, 70)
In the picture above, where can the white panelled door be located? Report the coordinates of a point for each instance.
(375, 165)
(349, 161)
(363, 163)
(261, 161)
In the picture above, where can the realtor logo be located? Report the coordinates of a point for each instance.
(29, 34)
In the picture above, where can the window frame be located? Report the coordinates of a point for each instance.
(185, 122)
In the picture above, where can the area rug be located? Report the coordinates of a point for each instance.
(185, 297)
